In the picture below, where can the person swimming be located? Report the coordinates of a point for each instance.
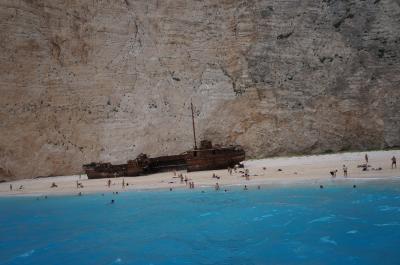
(245, 187)
(321, 186)
(112, 201)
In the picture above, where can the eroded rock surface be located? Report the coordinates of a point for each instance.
(101, 80)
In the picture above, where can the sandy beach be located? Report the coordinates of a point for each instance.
(281, 170)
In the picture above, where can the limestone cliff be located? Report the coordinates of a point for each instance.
(104, 80)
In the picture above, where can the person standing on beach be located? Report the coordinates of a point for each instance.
(123, 183)
(181, 177)
(366, 159)
(109, 183)
(394, 162)
(344, 171)
(216, 186)
(10, 187)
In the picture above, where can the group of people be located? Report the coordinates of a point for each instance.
(393, 160)
(183, 179)
(334, 172)
(124, 183)
(21, 187)
(214, 176)
(364, 166)
(191, 185)
(246, 175)
(217, 187)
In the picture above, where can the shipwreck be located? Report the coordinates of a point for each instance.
(204, 157)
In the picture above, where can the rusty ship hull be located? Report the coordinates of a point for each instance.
(204, 158)
(104, 170)
(144, 165)
(167, 163)
(212, 159)
(194, 160)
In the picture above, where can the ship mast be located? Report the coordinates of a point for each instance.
(194, 130)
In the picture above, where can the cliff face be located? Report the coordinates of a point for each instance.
(102, 80)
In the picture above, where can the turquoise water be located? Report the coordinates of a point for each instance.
(287, 225)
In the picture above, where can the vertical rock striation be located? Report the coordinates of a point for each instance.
(89, 80)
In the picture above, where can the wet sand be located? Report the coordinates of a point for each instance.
(271, 171)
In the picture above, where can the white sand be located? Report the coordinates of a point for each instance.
(294, 170)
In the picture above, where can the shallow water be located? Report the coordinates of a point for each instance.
(290, 225)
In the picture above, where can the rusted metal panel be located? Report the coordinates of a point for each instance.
(215, 158)
(105, 170)
(167, 163)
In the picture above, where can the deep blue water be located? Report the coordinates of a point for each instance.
(286, 225)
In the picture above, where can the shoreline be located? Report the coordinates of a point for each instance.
(251, 186)
(276, 172)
